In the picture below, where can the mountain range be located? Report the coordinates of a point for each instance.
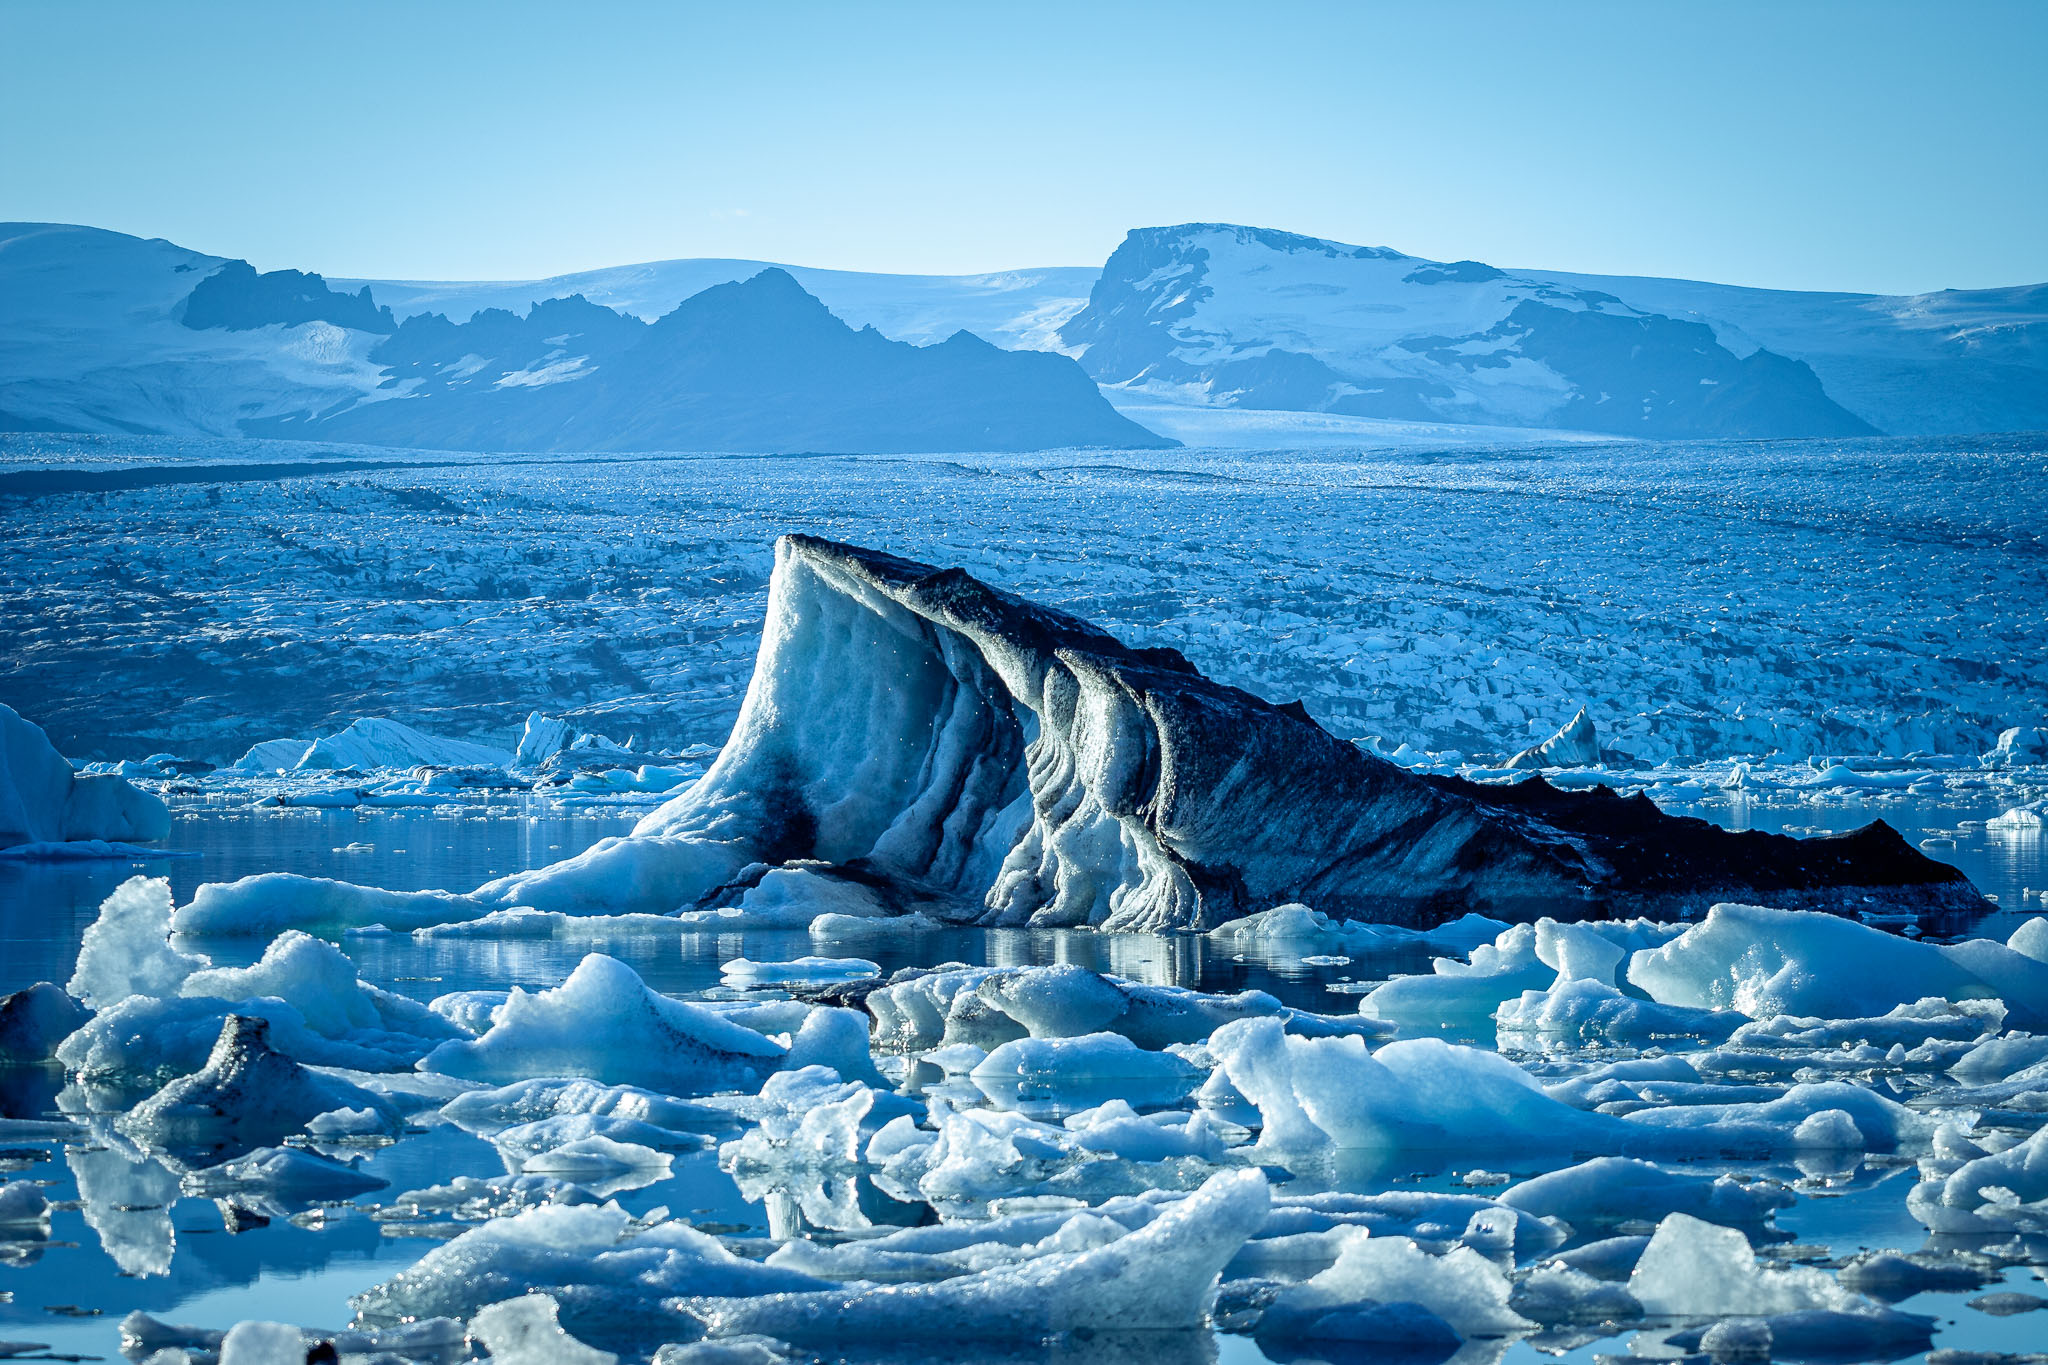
(105, 332)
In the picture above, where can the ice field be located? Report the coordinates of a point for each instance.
(802, 1127)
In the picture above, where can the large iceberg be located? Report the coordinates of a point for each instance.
(42, 801)
(961, 748)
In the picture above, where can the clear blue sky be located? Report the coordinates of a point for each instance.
(1868, 146)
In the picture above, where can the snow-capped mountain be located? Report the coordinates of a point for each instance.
(1213, 332)
(1251, 318)
(103, 332)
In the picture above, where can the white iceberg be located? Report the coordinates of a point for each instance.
(603, 1023)
(43, 801)
(1576, 745)
(377, 743)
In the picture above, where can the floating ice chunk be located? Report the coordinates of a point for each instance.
(1293, 926)
(22, 1205)
(542, 1135)
(1317, 1092)
(1767, 962)
(1063, 1001)
(834, 928)
(320, 982)
(1576, 745)
(741, 973)
(1464, 994)
(1038, 1068)
(1933, 1019)
(127, 951)
(1867, 1121)
(470, 1011)
(547, 1097)
(2031, 939)
(43, 801)
(377, 743)
(811, 1118)
(525, 1331)
(1583, 1010)
(987, 1007)
(271, 902)
(596, 1157)
(34, 1020)
(1697, 1269)
(1609, 1190)
(342, 1125)
(1461, 1287)
(2001, 1192)
(246, 1092)
(468, 1199)
(142, 1039)
(597, 1252)
(2019, 745)
(1116, 1129)
(2018, 820)
(270, 755)
(792, 897)
(432, 1338)
(1994, 1059)
(289, 1175)
(605, 1024)
(1161, 1277)
(262, 1343)
(835, 1038)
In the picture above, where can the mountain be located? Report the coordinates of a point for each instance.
(104, 332)
(755, 365)
(1014, 309)
(1246, 317)
(1218, 333)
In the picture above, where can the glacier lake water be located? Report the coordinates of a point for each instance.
(124, 1237)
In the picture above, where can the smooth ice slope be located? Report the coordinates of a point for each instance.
(42, 801)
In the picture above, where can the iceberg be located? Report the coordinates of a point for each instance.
(603, 1023)
(246, 1093)
(1019, 766)
(1574, 746)
(377, 743)
(33, 1021)
(43, 801)
(270, 756)
(1767, 962)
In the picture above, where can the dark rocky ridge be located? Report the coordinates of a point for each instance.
(759, 365)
